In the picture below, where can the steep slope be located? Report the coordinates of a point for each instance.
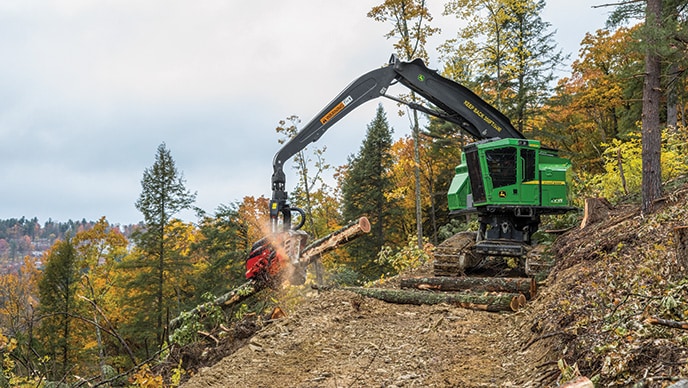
(611, 280)
(339, 339)
(591, 318)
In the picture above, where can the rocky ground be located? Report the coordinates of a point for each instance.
(592, 317)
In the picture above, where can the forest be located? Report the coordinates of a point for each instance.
(88, 303)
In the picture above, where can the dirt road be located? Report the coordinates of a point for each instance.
(340, 339)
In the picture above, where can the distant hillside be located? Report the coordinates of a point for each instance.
(21, 237)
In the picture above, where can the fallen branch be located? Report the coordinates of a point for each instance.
(212, 337)
(234, 296)
(668, 323)
(477, 301)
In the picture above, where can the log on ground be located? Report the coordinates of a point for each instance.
(525, 286)
(476, 301)
(230, 298)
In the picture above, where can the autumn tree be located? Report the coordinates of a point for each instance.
(364, 192)
(255, 214)
(163, 195)
(99, 250)
(18, 315)
(598, 103)
(506, 53)
(410, 27)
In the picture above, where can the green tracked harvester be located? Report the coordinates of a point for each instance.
(508, 181)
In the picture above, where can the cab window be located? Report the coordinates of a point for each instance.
(501, 164)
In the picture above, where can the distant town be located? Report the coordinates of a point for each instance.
(22, 237)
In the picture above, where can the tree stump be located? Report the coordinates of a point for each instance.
(596, 209)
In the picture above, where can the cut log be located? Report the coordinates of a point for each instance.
(476, 301)
(525, 286)
(596, 209)
(334, 240)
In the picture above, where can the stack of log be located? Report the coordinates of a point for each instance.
(487, 294)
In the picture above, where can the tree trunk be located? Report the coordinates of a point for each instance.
(525, 286)
(416, 176)
(681, 239)
(477, 301)
(672, 97)
(651, 131)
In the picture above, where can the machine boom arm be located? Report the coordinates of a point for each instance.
(458, 105)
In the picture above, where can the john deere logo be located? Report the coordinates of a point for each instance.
(502, 194)
(421, 78)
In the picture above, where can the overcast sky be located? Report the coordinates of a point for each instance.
(90, 88)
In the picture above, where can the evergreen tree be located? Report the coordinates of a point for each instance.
(225, 244)
(363, 191)
(534, 56)
(663, 42)
(163, 195)
(57, 290)
(512, 54)
(410, 20)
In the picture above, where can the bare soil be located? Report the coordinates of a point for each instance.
(589, 318)
(340, 339)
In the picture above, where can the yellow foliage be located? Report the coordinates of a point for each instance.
(144, 378)
(623, 165)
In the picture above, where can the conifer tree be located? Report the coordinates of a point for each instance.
(363, 190)
(225, 244)
(663, 43)
(511, 54)
(411, 26)
(534, 56)
(163, 195)
(57, 292)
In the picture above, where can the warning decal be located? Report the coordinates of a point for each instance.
(338, 108)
